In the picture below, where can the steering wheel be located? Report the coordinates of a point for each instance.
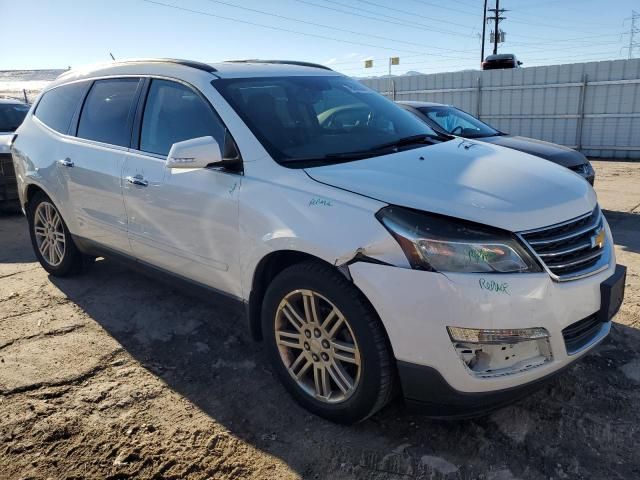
(453, 132)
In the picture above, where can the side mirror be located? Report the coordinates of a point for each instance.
(519, 62)
(194, 153)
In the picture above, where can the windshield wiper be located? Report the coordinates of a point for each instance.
(411, 140)
(333, 158)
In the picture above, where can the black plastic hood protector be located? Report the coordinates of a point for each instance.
(559, 154)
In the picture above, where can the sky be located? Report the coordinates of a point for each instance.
(428, 35)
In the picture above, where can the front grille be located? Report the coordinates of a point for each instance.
(570, 249)
(580, 334)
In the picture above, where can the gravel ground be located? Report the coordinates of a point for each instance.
(113, 375)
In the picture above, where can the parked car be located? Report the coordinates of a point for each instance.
(12, 112)
(501, 61)
(451, 120)
(368, 253)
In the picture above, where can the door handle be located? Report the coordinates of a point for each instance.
(137, 180)
(66, 162)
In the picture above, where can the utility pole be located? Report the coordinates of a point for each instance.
(484, 31)
(635, 17)
(497, 34)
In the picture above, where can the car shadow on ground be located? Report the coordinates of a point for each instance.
(203, 352)
(582, 424)
(625, 227)
(13, 225)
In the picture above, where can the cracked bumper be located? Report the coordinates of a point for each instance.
(417, 306)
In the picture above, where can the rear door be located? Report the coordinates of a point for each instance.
(182, 220)
(92, 161)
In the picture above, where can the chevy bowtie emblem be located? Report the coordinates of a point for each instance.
(598, 240)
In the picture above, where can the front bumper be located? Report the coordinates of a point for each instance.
(426, 390)
(416, 307)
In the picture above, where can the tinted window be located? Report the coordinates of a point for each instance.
(106, 112)
(173, 113)
(57, 106)
(457, 122)
(12, 115)
(298, 119)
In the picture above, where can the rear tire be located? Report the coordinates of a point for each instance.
(51, 240)
(327, 344)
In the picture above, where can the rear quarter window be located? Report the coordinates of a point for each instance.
(57, 106)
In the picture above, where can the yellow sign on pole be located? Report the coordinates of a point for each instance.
(395, 60)
(368, 63)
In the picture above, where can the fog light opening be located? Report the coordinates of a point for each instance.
(491, 353)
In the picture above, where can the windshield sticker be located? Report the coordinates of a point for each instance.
(493, 286)
(320, 202)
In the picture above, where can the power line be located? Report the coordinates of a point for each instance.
(526, 47)
(526, 21)
(465, 12)
(539, 4)
(526, 17)
(403, 21)
(399, 21)
(330, 27)
(287, 30)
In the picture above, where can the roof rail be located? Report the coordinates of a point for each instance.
(187, 63)
(282, 62)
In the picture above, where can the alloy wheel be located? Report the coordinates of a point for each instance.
(317, 346)
(49, 233)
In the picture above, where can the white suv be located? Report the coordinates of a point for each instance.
(368, 251)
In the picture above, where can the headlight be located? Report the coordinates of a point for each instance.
(436, 242)
(588, 170)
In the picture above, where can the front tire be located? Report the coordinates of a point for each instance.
(51, 240)
(327, 344)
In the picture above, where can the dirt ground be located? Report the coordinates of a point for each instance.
(114, 375)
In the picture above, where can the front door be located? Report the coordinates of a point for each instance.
(182, 220)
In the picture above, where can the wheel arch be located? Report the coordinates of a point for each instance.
(30, 191)
(268, 268)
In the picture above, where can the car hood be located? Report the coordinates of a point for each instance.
(5, 142)
(470, 180)
(559, 154)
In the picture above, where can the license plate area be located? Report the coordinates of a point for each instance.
(612, 293)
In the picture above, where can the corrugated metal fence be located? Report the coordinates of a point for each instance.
(593, 106)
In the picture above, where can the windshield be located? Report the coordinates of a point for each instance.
(11, 116)
(457, 122)
(305, 118)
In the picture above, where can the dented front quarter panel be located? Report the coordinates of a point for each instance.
(284, 209)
